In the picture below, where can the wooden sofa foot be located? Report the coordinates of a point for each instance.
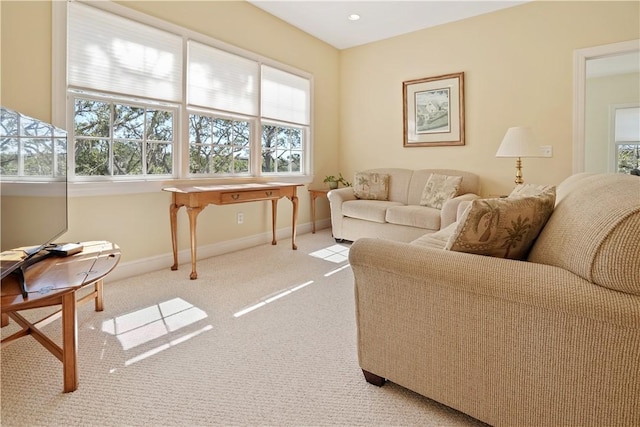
(373, 378)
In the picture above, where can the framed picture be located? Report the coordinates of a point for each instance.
(434, 111)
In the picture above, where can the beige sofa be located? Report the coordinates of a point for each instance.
(550, 341)
(400, 217)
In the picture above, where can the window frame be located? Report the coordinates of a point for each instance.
(303, 129)
(73, 177)
(62, 114)
(213, 114)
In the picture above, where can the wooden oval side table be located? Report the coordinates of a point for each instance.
(55, 281)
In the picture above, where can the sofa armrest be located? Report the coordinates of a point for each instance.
(461, 208)
(336, 198)
(449, 212)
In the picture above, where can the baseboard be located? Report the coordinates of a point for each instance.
(137, 267)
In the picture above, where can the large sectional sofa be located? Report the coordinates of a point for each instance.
(400, 216)
(552, 339)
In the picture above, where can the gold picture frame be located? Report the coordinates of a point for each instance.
(433, 111)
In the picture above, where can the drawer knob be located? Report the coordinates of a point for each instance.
(268, 193)
(235, 196)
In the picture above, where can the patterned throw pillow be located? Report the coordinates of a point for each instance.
(371, 186)
(439, 189)
(503, 227)
(528, 190)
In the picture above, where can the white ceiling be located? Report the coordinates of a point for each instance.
(327, 20)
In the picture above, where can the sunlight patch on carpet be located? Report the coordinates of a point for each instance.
(166, 346)
(334, 253)
(337, 270)
(149, 323)
(271, 298)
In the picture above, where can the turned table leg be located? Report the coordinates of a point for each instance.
(193, 215)
(294, 201)
(274, 220)
(173, 217)
(313, 212)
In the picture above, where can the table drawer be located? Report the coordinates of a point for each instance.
(248, 196)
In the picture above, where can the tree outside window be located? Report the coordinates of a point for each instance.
(218, 146)
(627, 139)
(117, 139)
(282, 149)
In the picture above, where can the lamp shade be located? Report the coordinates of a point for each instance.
(518, 142)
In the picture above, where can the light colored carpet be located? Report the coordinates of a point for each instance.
(170, 351)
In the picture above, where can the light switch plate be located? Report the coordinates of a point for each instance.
(546, 151)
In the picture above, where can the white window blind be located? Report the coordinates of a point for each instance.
(110, 53)
(285, 96)
(221, 80)
(627, 125)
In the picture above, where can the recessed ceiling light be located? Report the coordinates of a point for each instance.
(353, 17)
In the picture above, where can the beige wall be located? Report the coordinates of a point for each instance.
(139, 223)
(25, 58)
(518, 66)
(601, 94)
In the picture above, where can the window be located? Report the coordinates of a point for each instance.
(281, 149)
(117, 139)
(626, 139)
(151, 100)
(31, 149)
(283, 98)
(218, 146)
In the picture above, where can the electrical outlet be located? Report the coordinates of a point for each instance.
(546, 151)
(240, 217)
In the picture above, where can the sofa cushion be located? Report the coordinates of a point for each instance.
(594, 231)
(371, 186)
(439, 189)
(470, 183)
(370, 210)
(502, 227)
(437, 240)
(528, 190)
(414, 216)
(399, 180)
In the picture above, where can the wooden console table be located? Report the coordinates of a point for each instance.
(196, 198)
(54, 281)
(315, 193)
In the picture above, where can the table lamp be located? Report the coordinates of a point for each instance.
(518, 142)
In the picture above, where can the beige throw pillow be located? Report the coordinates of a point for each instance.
(439, 189)
(371, 186)
(528, 190)
(503, 227)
